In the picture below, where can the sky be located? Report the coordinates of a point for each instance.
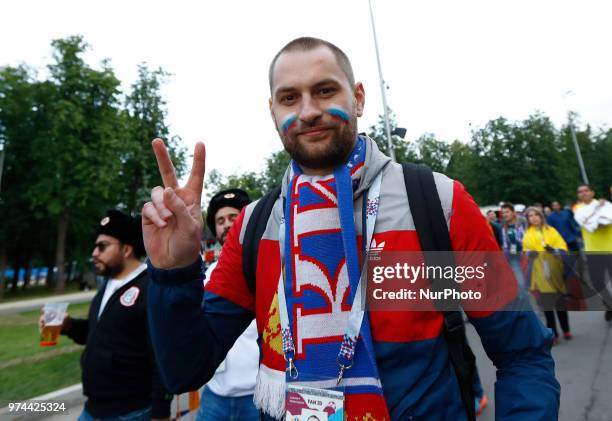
(449, 66)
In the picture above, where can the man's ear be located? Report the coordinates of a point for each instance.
(359, 99)
(128, 251)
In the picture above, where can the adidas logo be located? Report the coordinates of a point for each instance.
(376, 248)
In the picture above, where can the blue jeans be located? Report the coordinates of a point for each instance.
(220, 408)
(138, 415)
(515, 264)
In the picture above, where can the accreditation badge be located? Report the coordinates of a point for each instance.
(311, 404)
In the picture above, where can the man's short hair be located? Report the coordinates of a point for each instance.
(585, 185)
(507, 206)
(308, 44)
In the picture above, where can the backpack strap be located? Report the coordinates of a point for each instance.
(252, 236)
(432, 230)
(431, 227)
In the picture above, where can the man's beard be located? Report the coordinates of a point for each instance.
(110, 270)
(334, 153)
(221, 239)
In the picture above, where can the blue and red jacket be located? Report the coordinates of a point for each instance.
(191, 339)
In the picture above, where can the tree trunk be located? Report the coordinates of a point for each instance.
(137, 183)
(17, 267)
(28, 271)
(27, 274)
(2, 269)
(49, 284)
(60, 251)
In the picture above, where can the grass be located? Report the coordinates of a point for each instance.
(29, 380)
(26, 368)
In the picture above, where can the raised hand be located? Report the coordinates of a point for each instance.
(172, 220)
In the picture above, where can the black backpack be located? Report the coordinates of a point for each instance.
(432, 230)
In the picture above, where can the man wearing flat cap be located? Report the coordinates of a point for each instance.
(228, 396)
(119, 375)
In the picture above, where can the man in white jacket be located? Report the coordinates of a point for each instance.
(595, 220)
(228, 396)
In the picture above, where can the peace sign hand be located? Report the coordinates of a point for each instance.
(172, 221)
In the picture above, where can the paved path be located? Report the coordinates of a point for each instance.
(26, 305)
(583, 368)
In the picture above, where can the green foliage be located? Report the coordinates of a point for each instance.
(75, 146)
(404, 151)
(251, 182)
(82, 136)
(145, 119)
(527, 161)
(255, 184)
(433, 152)
(276, 165)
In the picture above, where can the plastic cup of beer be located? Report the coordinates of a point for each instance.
(54, 317)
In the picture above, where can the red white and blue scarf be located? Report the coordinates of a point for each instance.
(322, 273)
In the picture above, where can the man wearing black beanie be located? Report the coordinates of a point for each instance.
(119, 374)
(223, 208)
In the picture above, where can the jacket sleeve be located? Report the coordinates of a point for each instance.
(516, 341)
(79, 328)
(190, 338)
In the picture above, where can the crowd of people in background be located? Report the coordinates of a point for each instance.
(543, 245)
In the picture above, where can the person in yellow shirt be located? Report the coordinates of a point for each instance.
(544, 246)
(598, 247)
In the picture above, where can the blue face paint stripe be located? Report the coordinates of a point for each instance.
(288, 123)
(341, 114)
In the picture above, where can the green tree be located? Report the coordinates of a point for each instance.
(276, 165)
(517, 162)
(72, 151)
(255, 184)
(404, 151)
(461, 165)
(433, 152)
(145, 119)
(251, 182)
(602, 170)
(77, 165)
(18, 125)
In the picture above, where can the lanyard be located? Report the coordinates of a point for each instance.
(347, 348)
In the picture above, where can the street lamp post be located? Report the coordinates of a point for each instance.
(585, 179)
(570, 119)
(382, 88)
